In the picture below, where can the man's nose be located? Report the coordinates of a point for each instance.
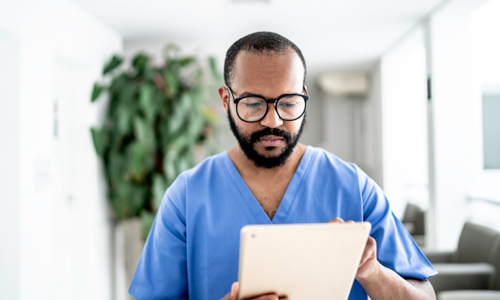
(272, 120)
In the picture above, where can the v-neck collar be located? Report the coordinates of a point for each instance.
(257, 211)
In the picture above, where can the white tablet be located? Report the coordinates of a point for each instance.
(301, 261)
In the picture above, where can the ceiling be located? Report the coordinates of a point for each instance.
(331, 33)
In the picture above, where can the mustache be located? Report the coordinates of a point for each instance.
(270, 131)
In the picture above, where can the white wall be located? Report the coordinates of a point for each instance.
(371, 138)
(485, 25)
(456, 118)
(9, 162)
(351, 128)
(404, 122)
(63, 217)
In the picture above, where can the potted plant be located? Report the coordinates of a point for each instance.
(158, 119)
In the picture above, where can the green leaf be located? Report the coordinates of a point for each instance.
(169, 164)
(209, 115)
(140, 61)
(115, 62)
(124, 118)
(127, 94)
(181, 141)
(176, 121)
(173, 82)
(147, 222)
(138, 156)
(146, 102)
(161, 104)
(96, 91)
(195, 128)
(137, 198)
(170, 51)
(186, 61)
(184, 164)
(165, 137)
(100, 137)
(186, 103)
(143, 132)
(119, 82)
(129, 200)
(213, 67)
(159, 187)
(117, 166)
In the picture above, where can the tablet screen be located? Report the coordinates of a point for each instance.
(301, 261)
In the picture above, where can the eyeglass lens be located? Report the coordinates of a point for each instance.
(254, 108)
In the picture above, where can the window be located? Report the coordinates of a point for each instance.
(491, 130)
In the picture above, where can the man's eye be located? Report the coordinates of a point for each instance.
(287, 104)
(253, 104)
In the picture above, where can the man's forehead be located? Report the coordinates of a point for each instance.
(281, 68)
(267, 57)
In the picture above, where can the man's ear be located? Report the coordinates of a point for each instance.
(224, 96)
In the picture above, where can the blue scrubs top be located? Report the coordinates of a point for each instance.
(192, 250)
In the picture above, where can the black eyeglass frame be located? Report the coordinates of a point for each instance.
(275, 101)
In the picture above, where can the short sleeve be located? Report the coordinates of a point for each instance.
(396, 249)
(162, 271)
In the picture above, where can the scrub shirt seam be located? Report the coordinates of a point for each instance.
(134, 289)
(239, 191)
(424, 271)
(184, 238)
(299, 184)
(361, 194)
(183, 219)
(186, 197)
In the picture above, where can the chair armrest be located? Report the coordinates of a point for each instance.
(410, 227)
(476, 276)
(419, 239)
(470, 294)
(439, 257)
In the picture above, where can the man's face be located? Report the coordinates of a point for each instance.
(269, 142)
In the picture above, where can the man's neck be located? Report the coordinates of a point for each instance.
(246, 167)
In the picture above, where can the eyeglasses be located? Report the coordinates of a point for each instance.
(253, 108)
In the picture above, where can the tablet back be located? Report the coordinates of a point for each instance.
(301, 261)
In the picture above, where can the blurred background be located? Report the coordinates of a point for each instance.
(407, 90)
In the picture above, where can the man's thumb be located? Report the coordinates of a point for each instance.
(234, 290)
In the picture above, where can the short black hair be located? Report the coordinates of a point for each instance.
(259, 42)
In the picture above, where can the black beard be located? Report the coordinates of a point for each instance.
(246, 143)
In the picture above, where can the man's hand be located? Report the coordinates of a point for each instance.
(369, 265)
(233, 295)
(380, 282)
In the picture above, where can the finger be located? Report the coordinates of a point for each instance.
(336, 220)
(370, 250)
(268, 297)
(262, 297)
(350, 222)
(234, 290)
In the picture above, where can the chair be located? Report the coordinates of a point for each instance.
(414, 221)
(493, 294)
(469, 295)
(473, 266)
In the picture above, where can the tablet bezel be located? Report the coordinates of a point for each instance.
(317, 242)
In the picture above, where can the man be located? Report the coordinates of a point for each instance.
(269, 178)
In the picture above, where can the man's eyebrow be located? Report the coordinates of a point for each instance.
(244, 94)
